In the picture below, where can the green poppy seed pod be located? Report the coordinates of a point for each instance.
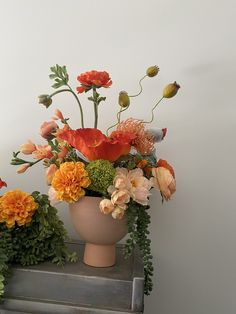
(170, 90)
(124, 100)
(152, 71)
(45, 100)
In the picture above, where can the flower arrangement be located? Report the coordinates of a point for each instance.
(30, 232)
(120, 166)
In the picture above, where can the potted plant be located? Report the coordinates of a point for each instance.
(105, 177)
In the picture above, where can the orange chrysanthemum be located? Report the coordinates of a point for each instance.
(17, 207)
(69, 181)
(144, 140)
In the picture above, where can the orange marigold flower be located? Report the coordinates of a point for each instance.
(69, 181)
(144, 140)
(17, 207)
(43, 151)
(93, 78)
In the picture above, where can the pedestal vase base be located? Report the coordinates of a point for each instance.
(99, 255)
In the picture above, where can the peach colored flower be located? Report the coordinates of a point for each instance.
(144, 140)
(23, 168)
(106, 206)
(17, 207)
(70, 180)
(47, 129)
(28, 148)
(58, 115)
(52, 196)
(50, 173)
(43, 151)
(118, 212)
(120, 197)
(134, 182)
(164, 180)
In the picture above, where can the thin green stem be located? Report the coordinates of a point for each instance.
(95, 104)
(118, 116)
(59, 91)
(153, 111)
(80, 106)
(34, 162)
(141, 87)
(70, 90)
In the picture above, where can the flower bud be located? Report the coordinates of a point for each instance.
(47, 129)
(170, 90)
(45, 100)
(58, 115)
(152, 71)
(23, 168)
(124, 100)
(27, 148)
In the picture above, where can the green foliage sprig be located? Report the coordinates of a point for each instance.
(138, 220)
(41, 240)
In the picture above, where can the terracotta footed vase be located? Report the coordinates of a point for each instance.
(99, 231)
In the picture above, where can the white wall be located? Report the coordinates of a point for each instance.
(193, 42)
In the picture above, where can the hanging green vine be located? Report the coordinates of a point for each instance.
(138, 220)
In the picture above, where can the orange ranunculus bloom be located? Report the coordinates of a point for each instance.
(93, 78)
(164, 179)
(43, 151)
(17, 207)
(2, 183)
(164, 163)
(69, 181)
(93, 144)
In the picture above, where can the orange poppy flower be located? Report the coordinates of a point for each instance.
(93, 144)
